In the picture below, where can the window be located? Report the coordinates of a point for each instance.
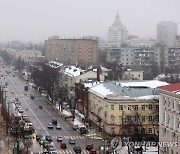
(112, 107)
(136, 118)
(120, 107)
(157, 107)
(120, 119)
(129, 107)
(143, 130)
(150, 118)
(143, 107)
(143, 118)
(150, 130)
(150, 107)
(128, 119)
(112, 119)
(136, 107)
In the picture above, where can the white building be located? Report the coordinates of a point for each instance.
(169, 118)
(166, 33)
(117, 33)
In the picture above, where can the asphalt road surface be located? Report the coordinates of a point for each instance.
(41, 117)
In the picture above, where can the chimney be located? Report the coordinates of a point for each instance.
(98, 74)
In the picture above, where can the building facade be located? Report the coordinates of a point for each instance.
(112, 105)
(29, 56)
(166, 33)
(72, 51)
(169, 118)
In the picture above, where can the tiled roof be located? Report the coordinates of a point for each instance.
(172, 88)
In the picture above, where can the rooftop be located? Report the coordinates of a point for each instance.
(174, 88)
(127, 91)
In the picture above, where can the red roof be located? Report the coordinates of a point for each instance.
(172, 87)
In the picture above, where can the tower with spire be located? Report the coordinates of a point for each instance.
(117, 33)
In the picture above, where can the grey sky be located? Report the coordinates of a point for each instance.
(35, 20)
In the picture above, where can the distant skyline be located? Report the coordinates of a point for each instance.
(36, 20)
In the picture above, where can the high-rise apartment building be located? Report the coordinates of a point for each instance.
(166, 33)
(72, 51)
(169, 118)
(117, 33)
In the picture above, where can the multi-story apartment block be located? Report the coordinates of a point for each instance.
(166, 33)
(111, 104)
(29, 56)
(72, 51)
(117, 33)
(169, 118)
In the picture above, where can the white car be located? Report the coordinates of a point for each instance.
(58, 126)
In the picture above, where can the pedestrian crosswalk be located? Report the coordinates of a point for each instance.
(62, 151)
(70, 137)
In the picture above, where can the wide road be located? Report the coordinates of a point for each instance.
(41, 117)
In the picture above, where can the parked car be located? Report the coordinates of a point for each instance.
(63, 146)
(72, 141)
(75, 127)
(49, 146)
(89, 146)
(50, 126)
(59, 138)
(77, 149)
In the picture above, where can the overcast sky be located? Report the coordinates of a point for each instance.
(36, 20)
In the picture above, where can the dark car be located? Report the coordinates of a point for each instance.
(63, 146)
(49, 138)
(45, 143)
(92, 151)
(89, 146)
(49, 146)
(32, 96)
(54, 122)
(72, 141)
(38, 136)
(77, 149)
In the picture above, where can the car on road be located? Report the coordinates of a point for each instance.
(45, 143)
(50, 126)
(77, 149)
(72, 141)
(32, 97)
(58, 126)
(52, 151)
(49, 138)
(92, 151)
(89, 146)
(38, 136)
(54, 121)
(63, 146)
(48, 146)
(40, 107)
(59, 138)
(75, 127)
(21, 110)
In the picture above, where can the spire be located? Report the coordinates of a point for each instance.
(117, 21)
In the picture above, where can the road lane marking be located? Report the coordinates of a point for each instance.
(53, 117)
(37, 118)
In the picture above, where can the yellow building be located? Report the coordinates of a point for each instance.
(113, 105)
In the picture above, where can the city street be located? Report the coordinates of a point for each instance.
(41, 117)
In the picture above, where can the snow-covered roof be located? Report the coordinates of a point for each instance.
(144, 83)
(126, 91)
(55, 64)
(73, 71)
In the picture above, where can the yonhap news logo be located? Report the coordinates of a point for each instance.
(116, 142)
